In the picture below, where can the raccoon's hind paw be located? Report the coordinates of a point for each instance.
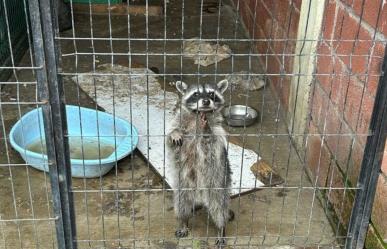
(181, 232)
(176, 138)
(220, 243)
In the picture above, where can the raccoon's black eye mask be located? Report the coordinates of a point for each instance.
(182, 87)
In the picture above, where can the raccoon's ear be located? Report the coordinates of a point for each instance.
(222, 85)
(181, 86)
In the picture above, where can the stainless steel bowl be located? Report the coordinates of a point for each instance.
(240, 115)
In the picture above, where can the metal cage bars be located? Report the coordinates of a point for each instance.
(43, 24)
(50, 90)
(370, 167)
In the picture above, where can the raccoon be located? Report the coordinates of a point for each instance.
(202, 170)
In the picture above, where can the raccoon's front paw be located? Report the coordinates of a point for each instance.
(220, 243)
(203, 120)
(176, 138)
(181, 232)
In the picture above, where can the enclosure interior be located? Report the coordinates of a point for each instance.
(131, 206)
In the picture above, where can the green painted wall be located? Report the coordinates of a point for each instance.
(17, 31)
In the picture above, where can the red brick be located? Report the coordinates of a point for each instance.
(340, 199)
(274, 65)
(344, 146)
(289, 50)
(282, 13)
(279, 37)
(319, 104)
(317, 157)
(355, 162)
(263, 20)
(242, 11)
(352, 48)
(246, 15)
(335, 178)
(259, 26)
(253, 5)
(329, 20)
(270, 5)
(361, 52)
(285, 92)
(377, 58)
(372, 84)
(282, 55)
(332, 127)
(384, 163)
(353, 98)
(324, 70)
(341, 29)
(297, 4)
(281, 87)
(370, 10)
(270, 22)
(382, 27)
(375, 67)
(347, 2)
(384, 160)
(293, 27)
(279, 34)
(315, 108)
(355, 53)
(286, 88)
(253, 31)
(339, 86)
(262, 45)
(341, 204)
(379, 212)
(367, 107)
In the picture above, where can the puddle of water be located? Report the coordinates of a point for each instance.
(80, 148)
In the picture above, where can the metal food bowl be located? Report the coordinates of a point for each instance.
(240, 115)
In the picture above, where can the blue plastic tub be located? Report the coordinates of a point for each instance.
(82, 124)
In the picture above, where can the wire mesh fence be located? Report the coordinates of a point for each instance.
(310, 70)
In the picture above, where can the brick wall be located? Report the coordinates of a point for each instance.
(347, 76)
(379, 214)
(268, 19)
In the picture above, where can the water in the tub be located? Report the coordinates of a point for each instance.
(80, 148)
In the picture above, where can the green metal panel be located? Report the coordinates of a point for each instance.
(95, 1)
(18, 34)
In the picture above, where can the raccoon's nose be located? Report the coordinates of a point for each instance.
(206, 102)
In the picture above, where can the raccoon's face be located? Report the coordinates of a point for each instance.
(202, 98)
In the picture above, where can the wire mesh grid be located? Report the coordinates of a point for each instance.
(26, 209)
(101, 62)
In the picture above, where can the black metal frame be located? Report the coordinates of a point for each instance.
(370, 167)
(50, 88)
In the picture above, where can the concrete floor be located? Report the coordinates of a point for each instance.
(108, 213)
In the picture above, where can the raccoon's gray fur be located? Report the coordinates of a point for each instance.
(203, 174)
